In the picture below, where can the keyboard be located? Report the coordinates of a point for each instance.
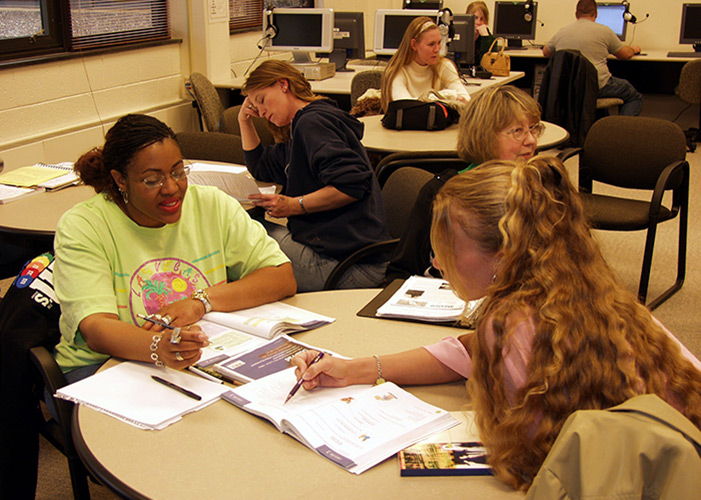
(368, 62)
(683, 54)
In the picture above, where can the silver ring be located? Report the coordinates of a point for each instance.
(158, 317)
(179, 357)
(175, 336)
(167, 319)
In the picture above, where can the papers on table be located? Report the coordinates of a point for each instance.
(234, 180)
(26, 181)
(127, 392)
(425, 299)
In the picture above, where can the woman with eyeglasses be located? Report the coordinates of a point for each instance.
(499, 123)
(417, 66)
(150, 245)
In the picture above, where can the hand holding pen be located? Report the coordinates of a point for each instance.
(300, 381)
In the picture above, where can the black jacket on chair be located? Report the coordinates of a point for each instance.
(568, 93)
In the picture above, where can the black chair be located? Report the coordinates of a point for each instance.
(689, 91)
(58, 431)
(211, 146)
(431, 161)
(399, 195)
(637, 153)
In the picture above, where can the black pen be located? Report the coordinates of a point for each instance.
(156, 322)
(165, 382)
(301, 380)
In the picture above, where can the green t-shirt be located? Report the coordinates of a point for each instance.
(106, 263)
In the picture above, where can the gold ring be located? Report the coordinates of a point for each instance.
(175, 336)
(167, 319)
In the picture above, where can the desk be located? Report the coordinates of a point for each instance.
(654, 72)
(379, 139)
(340, 84)
(224, 452)
(39, 213)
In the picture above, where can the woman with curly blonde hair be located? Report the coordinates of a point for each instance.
(558, 333)
(417, 66)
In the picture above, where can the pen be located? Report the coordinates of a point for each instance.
(301, 380)
(165, 382)
(155, 321)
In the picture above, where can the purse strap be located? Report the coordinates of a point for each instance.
(503, 44)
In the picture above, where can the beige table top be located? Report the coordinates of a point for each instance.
(39, 213)
(380, 139)
(224, 452)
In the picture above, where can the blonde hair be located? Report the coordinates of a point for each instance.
(268, 73)
(405, 55)
(473, 7)
(594, 346)
(488, 112)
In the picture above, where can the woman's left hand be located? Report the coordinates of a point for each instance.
(277, 205)
(182, 312)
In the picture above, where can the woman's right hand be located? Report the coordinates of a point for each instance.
(482, 30)
(247, 111)
(186, 352)
(328, 372)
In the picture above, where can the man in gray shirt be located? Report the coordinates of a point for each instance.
(596, 42)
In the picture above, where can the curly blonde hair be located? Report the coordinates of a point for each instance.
(595, 345)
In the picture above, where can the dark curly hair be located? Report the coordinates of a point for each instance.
(127, 137)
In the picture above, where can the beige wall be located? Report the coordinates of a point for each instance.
(54, 111)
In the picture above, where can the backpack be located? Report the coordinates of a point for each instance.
(411, 114)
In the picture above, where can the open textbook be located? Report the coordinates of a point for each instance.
(128, 392)
(234, 333)
(355, 427)
(455, 452)
(234, 180)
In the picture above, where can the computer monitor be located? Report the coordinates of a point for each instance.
(515, 21)
(390, 25)
(691, 25)
(423, 4)
(462, 45)
(611, 15)
(348, 39)
(300, 31)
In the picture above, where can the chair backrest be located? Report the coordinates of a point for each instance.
(362, 81)
(229, 123)
(399, 194)
(631, 151)
(208, 101)
(431, 161)
(689, 88)
(211, 146)
(568, 93)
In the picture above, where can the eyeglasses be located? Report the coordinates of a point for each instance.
(519, 133)
(157, 180)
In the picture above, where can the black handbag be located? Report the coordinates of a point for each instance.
(411, 114)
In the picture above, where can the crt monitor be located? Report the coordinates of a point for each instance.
(423, 4)
(300, 31)
(390, 25)
(515, 21)
(348, 39)
(611, 15)
(690, 32)
(462, 45)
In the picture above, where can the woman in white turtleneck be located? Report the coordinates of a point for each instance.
(418, 67)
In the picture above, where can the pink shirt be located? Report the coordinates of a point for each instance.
(452, 353)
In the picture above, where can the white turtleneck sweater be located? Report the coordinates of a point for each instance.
(413, 80)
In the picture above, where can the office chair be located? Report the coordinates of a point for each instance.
(634, 152)
(230, 124)
(689, 91)
(399, 194)
(211, 146)
(431, 161)
(363, 81)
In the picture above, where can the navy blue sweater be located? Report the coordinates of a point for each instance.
(325, 150)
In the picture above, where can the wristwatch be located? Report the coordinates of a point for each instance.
(202, 296)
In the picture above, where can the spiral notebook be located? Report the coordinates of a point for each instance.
(42, 175)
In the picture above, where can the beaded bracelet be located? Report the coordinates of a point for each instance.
(154, 354)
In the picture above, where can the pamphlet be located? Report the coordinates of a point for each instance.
(425, 299)
(356, 427)
(234, 180)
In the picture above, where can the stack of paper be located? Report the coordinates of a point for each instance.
(127, 392)
(25, 181)
(234, 180)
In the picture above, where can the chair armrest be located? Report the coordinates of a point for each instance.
(668, 179)
(355, 257)
(568, 153)
(48, 368)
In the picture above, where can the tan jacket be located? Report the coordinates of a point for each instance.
(641, 449)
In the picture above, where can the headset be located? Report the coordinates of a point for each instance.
(270, 31)
(445, 23)
(528, 15)
(628, 15)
